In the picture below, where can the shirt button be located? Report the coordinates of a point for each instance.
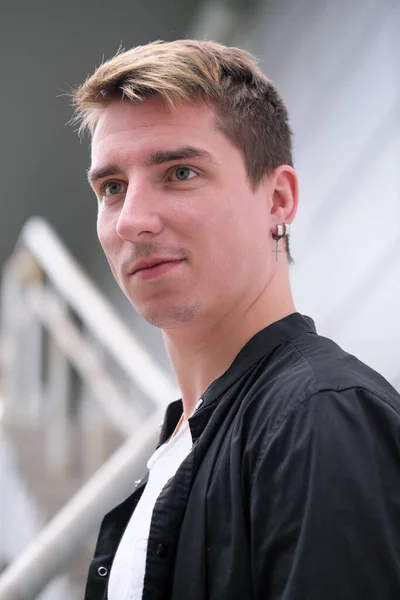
(162, 550)
(199, 403)
(102, 571)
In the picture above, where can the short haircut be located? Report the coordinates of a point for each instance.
(249, 109)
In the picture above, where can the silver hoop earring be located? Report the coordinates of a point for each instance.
(279, 235)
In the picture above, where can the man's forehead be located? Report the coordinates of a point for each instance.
(124, 115)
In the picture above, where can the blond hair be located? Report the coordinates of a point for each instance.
(248, 106)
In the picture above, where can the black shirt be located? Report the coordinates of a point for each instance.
(291, 490)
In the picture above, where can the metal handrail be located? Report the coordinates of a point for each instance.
(76, 348)
(47, 556)
(39, 252)
(75, 287)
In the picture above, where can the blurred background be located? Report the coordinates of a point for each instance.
(79, 370)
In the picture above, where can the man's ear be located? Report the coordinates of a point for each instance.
(285, 194)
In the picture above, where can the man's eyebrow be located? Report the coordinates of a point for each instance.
(160, 157)
(107, 171)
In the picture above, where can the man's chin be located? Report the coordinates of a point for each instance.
(170, 317)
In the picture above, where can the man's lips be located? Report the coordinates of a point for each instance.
(151, 266)
(152, 262)
(156, 269)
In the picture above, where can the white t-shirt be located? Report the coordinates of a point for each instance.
(128, 568)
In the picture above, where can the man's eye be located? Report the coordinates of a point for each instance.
(112, 189)
(183, 174)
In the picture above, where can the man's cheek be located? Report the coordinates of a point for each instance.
(106, 234)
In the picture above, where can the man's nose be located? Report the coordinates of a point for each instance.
(140, 214)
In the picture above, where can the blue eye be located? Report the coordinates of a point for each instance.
(183, 174)
(112, 189)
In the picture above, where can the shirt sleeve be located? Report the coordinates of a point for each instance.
(325, 502)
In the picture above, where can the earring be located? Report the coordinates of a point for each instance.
(279, 235)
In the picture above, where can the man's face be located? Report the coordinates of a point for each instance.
(171, 187)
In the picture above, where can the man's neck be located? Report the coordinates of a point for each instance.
(201, 353)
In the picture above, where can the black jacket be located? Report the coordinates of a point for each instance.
(291, 490)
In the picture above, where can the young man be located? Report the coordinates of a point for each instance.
(278, 473)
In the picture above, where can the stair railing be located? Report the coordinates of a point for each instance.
(57, 329)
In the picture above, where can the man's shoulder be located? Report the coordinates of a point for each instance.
(311, 363)
(332, 368)
(311, 370)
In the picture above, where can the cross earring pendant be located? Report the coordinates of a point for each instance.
(276, 250)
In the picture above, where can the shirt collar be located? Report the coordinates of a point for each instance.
(258, 347)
